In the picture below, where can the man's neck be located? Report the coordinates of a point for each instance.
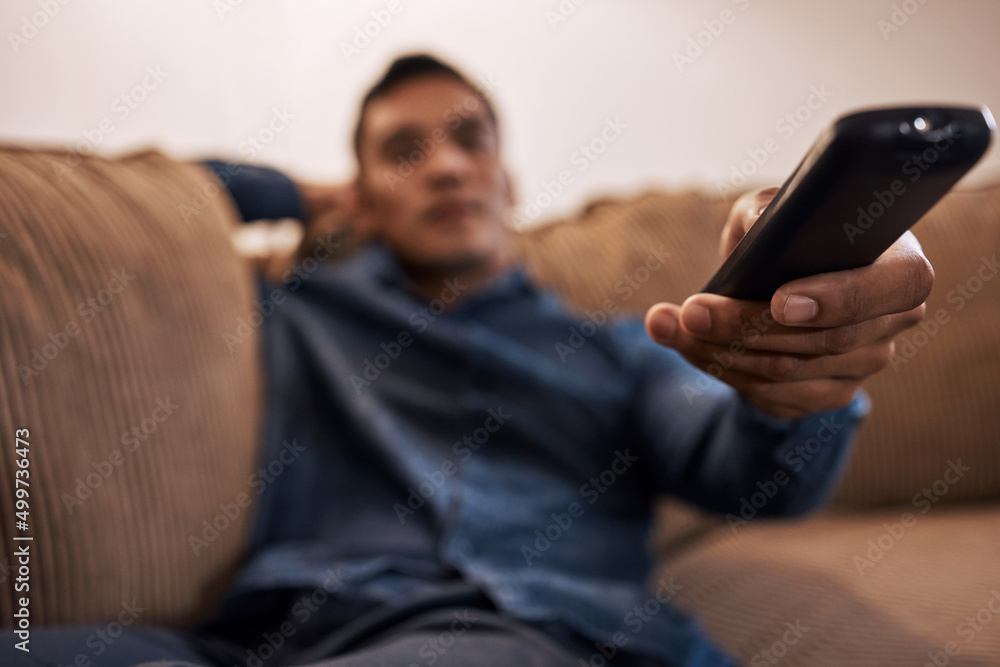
(458, 282)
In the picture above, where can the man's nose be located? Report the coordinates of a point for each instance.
(447, 162)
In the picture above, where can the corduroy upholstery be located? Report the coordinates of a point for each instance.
(112, 511)
(902, 608)
(162, 337)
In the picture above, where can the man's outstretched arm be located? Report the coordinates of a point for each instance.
(710, 446)
(810, 348)
(765, 427)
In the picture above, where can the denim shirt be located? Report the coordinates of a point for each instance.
(508, 440)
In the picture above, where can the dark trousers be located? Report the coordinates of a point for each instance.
(453, 624)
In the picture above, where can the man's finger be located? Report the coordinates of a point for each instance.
(742, 216)
(749, 324)
(787, 399)
(779, 367)
(897, 282)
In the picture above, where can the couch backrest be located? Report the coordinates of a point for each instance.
(935, 410)
(119, 284)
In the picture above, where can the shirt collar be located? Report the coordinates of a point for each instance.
(382, 266)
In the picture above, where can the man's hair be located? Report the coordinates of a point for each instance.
(404, 69)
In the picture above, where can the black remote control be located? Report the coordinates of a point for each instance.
(866, 180)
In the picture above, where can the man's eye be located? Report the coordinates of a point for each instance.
(472, 140)
(398, 152)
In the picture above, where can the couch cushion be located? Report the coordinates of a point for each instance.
(591, 257)
(120, 282)
(895, 587)
(939, 401)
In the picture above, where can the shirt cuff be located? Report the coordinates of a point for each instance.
(260, 193)
(855, 411)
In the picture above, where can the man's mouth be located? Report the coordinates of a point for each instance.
(452, 210)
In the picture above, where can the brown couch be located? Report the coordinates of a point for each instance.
(131, 355)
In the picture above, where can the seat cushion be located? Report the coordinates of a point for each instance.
(894, 587)
(120, 285)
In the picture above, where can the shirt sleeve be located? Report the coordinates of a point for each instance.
(260, 193)
(711, 447)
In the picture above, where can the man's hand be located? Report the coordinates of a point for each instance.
(811, 347)
(329, 211)
(327, 205)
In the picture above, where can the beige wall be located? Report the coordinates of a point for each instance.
(213, 72)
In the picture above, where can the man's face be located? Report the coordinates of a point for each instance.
(431, 184)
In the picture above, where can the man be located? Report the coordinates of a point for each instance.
(461, 496)
(424, 508)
